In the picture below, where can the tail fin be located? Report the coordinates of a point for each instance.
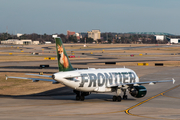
(63, 60)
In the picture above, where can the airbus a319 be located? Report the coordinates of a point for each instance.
(84, 82)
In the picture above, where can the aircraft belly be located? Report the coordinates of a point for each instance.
(85, 89)
(104, 89)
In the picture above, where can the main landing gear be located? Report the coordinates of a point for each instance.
(124, 96)
(117, 97)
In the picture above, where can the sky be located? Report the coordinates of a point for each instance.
(58, 16)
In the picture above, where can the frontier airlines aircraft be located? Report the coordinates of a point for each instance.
(84, 82)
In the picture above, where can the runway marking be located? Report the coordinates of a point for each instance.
(52, 104)
(79, 102)
(88, 114)
(170, 96)
(160, 94)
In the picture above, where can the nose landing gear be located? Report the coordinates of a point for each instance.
(81, 95)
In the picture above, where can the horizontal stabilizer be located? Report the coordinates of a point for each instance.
(40, 75)
(33, 79)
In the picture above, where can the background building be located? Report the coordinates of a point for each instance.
(94, 34)
(54, 36)
(174, 40)
(48, 42)
(19, 34)
(19, 42)
(35, 42)
(69, 33)
(78, 36)
(160, 37)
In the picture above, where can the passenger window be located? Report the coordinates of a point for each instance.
(124, 73)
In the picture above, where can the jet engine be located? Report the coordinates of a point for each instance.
(138, 91)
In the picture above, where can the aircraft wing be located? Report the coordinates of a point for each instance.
(34, 79)
(40, 75)
(140, 83)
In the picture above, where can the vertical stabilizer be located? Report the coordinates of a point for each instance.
(63, 60)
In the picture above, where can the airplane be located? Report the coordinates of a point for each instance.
(84, 82)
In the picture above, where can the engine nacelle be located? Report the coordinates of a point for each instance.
(138, 91)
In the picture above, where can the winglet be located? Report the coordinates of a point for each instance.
(6, 77)
(173, 80)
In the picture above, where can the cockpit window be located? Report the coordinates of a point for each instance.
(70, 78)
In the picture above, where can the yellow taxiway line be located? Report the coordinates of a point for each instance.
(160, 94)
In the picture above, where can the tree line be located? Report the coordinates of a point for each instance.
(105, 38)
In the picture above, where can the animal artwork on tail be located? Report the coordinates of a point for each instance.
(63, 59)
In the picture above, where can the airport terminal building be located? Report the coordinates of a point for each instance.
(174, 40)
(19, 42)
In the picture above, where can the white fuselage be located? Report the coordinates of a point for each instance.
(96, 80)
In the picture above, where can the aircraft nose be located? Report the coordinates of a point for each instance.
(53, 76)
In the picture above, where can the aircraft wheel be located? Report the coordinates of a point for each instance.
(119, 98)
(77, 97)
(82, 98)
(125, 97)
(114, 98)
